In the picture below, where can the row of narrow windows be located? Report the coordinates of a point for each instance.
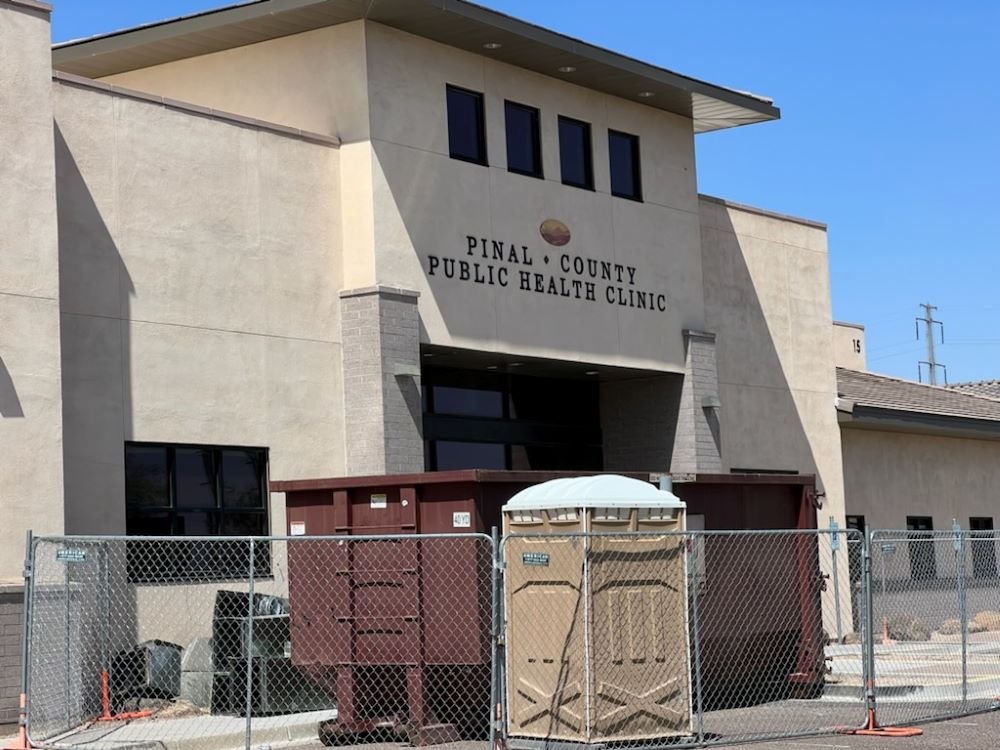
(467, 142)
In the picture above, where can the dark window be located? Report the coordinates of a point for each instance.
(195, 490)
(524, 144)
(923, 560)
(623, 151)
(854, 548)
(574, 153)
(492, 420)
(984, 544)
(466, 125)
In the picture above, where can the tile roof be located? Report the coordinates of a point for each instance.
(867, 389)
(988, 388)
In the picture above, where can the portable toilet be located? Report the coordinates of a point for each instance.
(595, 595)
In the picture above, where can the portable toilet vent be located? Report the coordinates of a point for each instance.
(595, 594)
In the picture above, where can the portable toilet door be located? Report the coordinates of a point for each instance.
(597, 644)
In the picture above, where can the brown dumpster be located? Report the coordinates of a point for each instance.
(399, 630)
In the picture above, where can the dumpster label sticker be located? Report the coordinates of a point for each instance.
(540, 559)
(71, 555)
(377, 501)
(462, 520)
(297, 528)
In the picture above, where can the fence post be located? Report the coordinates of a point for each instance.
(249, 649)
(495, 710)
(958, 544)
(21, 742)
(695, 639)
(834, 546)
(869, 624)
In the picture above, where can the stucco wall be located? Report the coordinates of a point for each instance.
(427, 205)
(849, 346)
(767, 299)
(891, 475)
(31, 483)
(314, 81)
(200, 265)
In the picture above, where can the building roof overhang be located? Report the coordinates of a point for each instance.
(456, 23)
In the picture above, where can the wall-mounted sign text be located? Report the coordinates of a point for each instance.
(557, 273)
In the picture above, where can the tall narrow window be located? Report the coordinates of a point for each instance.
(574, 153)
(923, 560)
(524, 145)
(623, 151)
(984, 554)
(466, 125)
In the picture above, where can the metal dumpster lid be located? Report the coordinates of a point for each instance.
(601, 491)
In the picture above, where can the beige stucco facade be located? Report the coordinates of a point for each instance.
(890, 475)
(849, 348)
(229, 222)
(31, 427)
(197, 307)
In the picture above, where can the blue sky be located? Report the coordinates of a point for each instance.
(889, 134)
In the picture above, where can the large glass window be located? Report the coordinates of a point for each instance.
(492, 420)
(623, 152)
(195, 490)
(466, 125)
(524, 145)
(574, 153)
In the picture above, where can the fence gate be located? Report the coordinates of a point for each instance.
(936, 618)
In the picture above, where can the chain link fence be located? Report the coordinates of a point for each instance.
(686, 638)
(215, 643)
(633, 639)
(936, 616)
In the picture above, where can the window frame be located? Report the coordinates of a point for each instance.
(588, 154)
(480, 124)
(923, 557)
(636, 165)
(536, 136)
(175, 570)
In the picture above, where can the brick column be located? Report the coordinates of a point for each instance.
(697, 443)
(383, 418)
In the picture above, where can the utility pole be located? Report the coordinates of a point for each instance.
(931, 361)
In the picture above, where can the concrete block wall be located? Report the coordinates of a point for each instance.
(697, 445)
(11, 622)
(380, 329)
(638, 422)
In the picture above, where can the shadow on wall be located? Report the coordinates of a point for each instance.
(95, 293)
(10, 404)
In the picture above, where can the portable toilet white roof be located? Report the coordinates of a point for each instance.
(601, 491)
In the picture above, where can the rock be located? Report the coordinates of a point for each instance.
(988, 619)
(908, 628)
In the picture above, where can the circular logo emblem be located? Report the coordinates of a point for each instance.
(554, 232)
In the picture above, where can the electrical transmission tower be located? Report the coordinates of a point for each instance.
(931, 361)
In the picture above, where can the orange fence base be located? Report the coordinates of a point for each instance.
(872, 729)
(21, 741)
(106, 705)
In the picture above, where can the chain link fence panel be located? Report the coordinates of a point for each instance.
(214, 643)
(641, 639)
(936, 617)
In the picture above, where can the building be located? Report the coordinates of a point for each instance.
(338, 237)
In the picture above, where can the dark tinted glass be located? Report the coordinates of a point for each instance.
(195, 469)
(456, 455)
(241, 479)
(146, 478)
(574, 153)
(469, 402)
(624, 154)
(466, 131)
(524, 152)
